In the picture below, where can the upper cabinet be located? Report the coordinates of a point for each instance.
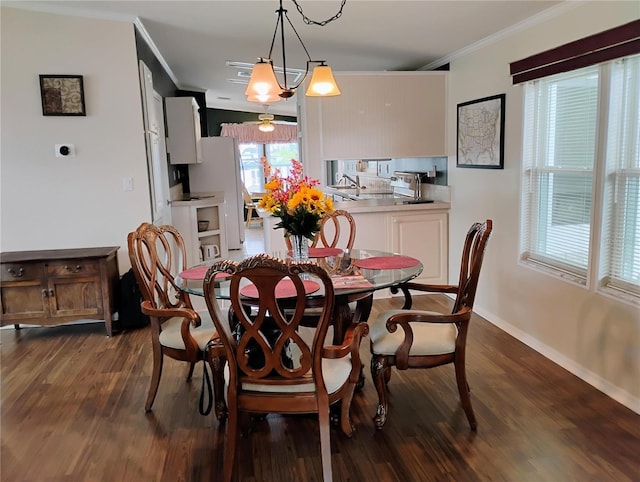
(183, 129)
(379, 115)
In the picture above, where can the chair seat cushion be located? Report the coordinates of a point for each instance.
(171, 337)
(428, 338)
(335, 372)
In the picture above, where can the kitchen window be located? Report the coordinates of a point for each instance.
(581, 176)
(278, 155)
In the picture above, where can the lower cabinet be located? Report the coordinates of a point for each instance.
(424, 236)
(57, 286)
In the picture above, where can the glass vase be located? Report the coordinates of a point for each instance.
(299, 247)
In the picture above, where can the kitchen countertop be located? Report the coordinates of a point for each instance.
(198, 198)
(372, 200)
(386, 205)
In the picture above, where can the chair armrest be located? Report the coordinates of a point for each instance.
(350, 345)
(431, 288)
(407, 287)
(166, 313)
(462, 317)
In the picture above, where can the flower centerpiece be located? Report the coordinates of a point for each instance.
(298, 203)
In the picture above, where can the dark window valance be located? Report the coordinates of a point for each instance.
(608, 45)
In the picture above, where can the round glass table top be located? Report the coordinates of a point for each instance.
(352, 271)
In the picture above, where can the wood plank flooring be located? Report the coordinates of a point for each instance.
(72, 410)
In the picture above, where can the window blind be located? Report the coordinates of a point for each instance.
(621, 246)
(561, 114)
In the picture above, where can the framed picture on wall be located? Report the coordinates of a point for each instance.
(62, 95)
(481, 133)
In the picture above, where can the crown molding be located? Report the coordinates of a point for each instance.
(525, 24)
(149, 41)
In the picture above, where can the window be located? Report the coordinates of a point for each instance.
(278, 154)
(581, 176)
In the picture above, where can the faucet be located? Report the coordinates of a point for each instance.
(355, 182)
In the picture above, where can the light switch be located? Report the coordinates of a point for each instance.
(127, 184)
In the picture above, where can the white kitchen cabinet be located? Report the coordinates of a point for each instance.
(186, 214)
(379, 115)
(424, 236)
(419, 230)
(183, 130)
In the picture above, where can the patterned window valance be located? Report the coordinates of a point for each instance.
(249, 133)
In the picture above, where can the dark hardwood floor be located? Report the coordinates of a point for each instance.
(72, 410)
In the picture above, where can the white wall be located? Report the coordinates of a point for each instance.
(49, 202)
(593, 336)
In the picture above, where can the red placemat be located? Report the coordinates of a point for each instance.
(387, 262)
(199, 273)
(323, 252)
(284, 289)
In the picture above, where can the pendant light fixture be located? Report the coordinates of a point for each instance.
(264, 86)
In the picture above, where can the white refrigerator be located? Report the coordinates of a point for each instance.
(220, 171)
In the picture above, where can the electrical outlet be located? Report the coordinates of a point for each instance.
(65, 150)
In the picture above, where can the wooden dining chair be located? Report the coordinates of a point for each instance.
(157, 255)
(428, 339)
(337, 230)
(251, 207)
(272, 369)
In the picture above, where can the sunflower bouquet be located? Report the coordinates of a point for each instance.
(297, 201)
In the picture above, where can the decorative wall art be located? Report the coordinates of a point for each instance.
(481, 133)
(62, 95)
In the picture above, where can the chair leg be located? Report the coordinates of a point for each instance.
(463, 390)
(217, 366)
(345, 412)
(155, 376)
(378, 369)
(325, 441)
(231, 442)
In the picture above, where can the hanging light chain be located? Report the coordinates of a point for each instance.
(308, 21)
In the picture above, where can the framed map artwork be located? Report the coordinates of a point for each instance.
(481, 133)
(62, 95)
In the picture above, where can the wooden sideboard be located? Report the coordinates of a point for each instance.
(53, 287)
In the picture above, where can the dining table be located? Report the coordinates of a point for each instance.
(356, 274)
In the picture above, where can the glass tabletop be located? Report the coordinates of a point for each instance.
(377, 270)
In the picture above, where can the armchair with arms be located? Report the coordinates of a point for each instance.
(157, 255)
(285, 373)
(408, 338)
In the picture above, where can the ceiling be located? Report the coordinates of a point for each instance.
(197, 38)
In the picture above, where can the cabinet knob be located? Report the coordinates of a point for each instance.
(15, 274)
(73, 270)
(45, 293)
(51, 293)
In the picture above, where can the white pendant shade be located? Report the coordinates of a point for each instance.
(322, 83)
(263, 86)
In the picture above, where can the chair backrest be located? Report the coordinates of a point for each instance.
(471, 263)
(263, 346)
(247, 197)
(332, 226)
(157, 255)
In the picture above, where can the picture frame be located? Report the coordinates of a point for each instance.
(62, 95)
(480, 133)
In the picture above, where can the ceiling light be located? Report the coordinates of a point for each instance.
(264, 86)
(266, 124)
